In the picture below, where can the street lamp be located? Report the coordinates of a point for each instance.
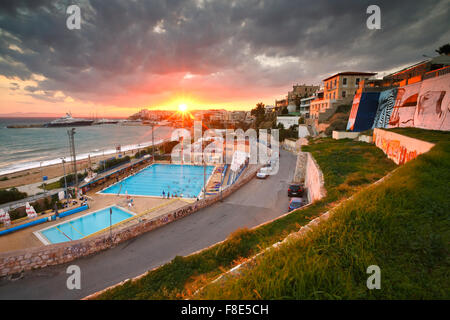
(65, 180)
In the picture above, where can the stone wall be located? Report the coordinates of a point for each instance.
(314, 182)
(35, 258)
(399, 148)
(300, 168)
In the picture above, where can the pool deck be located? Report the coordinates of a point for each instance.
(143, 206)
(154, 206)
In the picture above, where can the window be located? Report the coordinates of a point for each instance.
(357, 81)
(343, 94)
(344, 81)
(334, 95)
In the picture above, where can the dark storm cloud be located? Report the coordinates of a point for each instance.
(117, 49)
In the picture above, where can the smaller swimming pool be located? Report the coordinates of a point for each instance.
(83, 226)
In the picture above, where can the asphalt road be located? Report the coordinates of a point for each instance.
(256, 202)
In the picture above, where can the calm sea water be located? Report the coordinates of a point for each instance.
(26, 148)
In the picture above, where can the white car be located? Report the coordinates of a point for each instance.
(263, 172)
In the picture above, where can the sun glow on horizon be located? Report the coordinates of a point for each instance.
(182, 107)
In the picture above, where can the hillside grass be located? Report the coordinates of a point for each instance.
(401, 224)
(433, 136)
(347, 166)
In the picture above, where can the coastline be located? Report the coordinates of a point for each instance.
(34, 175)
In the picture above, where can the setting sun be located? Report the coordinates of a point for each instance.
(182, 107)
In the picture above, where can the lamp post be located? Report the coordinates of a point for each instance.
(65, 179)
(71, 134)
(42, 176)
(153, 145)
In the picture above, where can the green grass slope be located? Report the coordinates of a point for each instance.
(401, 224)
(347, 166)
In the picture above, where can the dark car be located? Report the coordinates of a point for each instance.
(295, 190)
(295, 203)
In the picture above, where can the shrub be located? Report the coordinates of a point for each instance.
(11, 195)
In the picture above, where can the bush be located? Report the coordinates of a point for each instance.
(111, 163)
(17, 214)
(11, 195)
(71, 179)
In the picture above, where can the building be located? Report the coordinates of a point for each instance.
(301, 91)
(305, 105)
(269, 108)
(236, 116)
(338, 89)
(280, 104)
(287, 121)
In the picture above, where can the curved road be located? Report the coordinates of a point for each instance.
(256, 202)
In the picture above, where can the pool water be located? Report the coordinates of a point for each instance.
(183, 180)
(85, 225)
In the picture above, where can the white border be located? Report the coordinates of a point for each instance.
(47, 242)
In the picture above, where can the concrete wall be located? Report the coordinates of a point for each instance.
(424, 104)
(344, 135)
(35, 258)
(303, 131)
(364, 138)
(287, 121)
(314, 182)
(398, 147)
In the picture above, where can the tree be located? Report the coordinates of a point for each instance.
(445, 49)
(259, 110)
(259, 113)
(285, 111)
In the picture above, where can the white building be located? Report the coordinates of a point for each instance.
(305, 105)
(288, 121)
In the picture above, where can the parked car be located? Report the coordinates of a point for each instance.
(295, 190)
(263, 172)
(295, 203)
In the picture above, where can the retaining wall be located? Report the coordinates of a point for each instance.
(314, 182)
(399, 148)
(344, 135)
(35, 258)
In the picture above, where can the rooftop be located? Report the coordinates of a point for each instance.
(351, 73)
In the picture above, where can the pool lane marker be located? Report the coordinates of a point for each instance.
(82, 235)
(63, 233)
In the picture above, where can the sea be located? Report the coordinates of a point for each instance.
(27, 148)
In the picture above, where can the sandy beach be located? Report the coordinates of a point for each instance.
(34, 175)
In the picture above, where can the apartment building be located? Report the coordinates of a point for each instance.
(301, 91)
(338, 89)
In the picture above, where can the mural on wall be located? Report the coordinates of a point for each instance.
(386, 104)
(354, 111)
(405, 106)
(423, 105)
(399, 148)
(433, 106)
(364, 109)
(395, 151)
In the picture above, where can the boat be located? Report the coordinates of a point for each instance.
(69, 121)
(106, 121)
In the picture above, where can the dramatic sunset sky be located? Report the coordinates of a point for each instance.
(130, 55)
